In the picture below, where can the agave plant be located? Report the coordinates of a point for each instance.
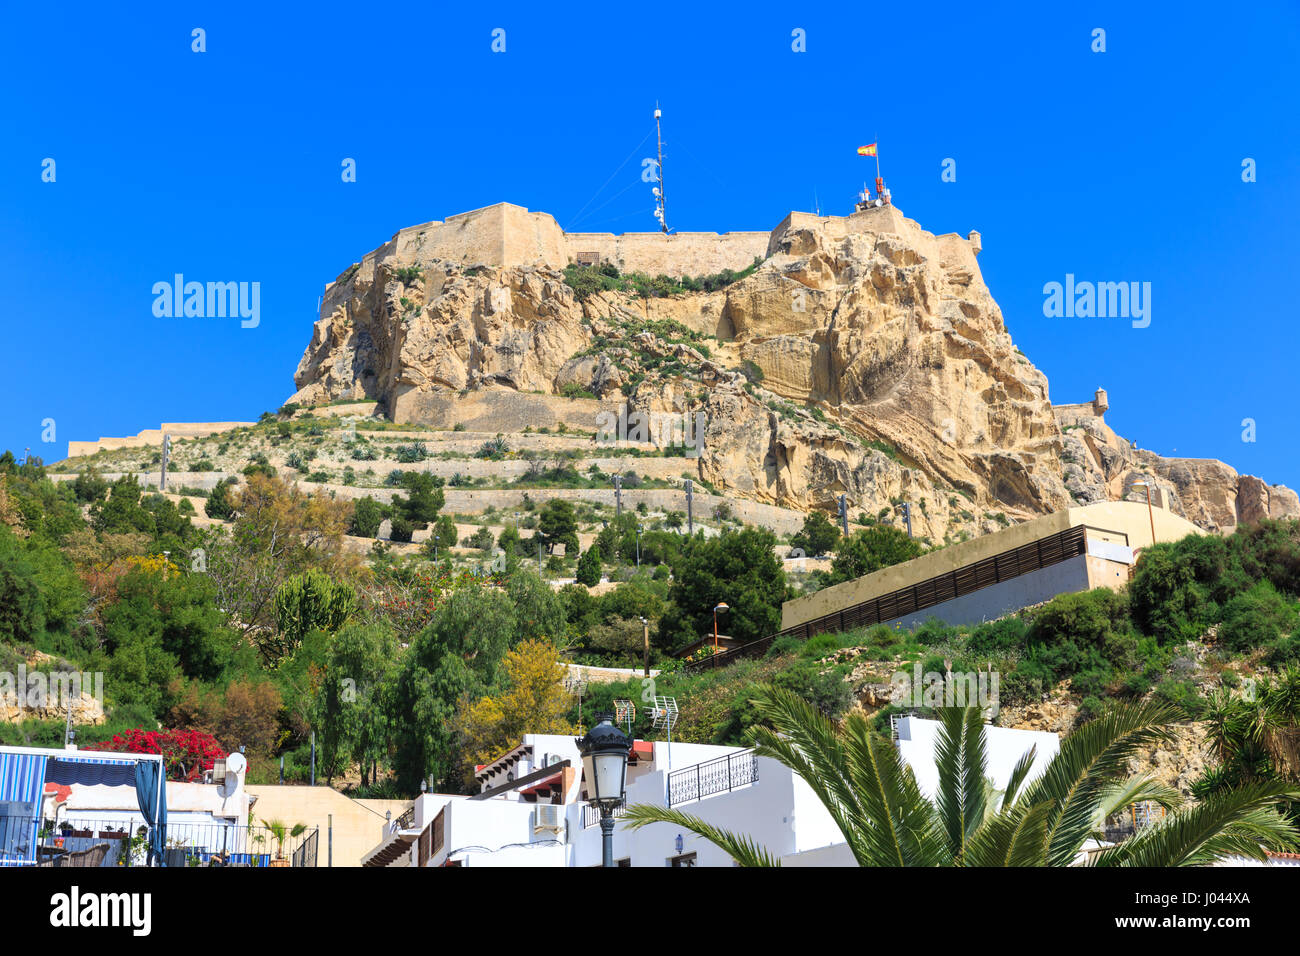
(873, 797)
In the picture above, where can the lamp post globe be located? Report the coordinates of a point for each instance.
(604, 751)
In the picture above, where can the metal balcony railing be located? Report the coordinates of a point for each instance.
(591, 815)
(720, 775)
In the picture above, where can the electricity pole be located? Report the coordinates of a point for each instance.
(844, 515)
(690, 508)
(166, 456)
(907, 517)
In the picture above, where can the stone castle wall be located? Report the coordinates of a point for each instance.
(508, 235)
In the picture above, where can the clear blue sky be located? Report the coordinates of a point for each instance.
(225, 165)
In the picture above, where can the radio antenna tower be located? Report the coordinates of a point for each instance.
(659, 188)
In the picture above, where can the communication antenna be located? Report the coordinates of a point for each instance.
(660, 212)
(625, 713)
(664, 714)
(576, 685)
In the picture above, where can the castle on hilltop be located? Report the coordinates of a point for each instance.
(507, 235)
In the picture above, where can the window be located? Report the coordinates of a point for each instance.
(686, 859)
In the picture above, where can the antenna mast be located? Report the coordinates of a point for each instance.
(659, 189)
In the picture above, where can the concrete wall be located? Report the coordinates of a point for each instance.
(153, 436)
(358, 824)
(1117, 517)
(998, 600)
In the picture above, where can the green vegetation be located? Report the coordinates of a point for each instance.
(587, 281)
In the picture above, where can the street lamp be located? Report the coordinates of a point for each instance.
(721, 606)
(604, 751)
(1150, 514)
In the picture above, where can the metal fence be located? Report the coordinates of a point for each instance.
(720, 775)
(931, 592)
(591, 815)
(85, 842)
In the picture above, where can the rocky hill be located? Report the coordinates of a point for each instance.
(859, 355)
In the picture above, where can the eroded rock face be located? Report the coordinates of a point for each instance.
(877, 365)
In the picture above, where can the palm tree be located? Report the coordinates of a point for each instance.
(873, 797)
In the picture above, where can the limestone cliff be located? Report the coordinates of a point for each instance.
(864, 356)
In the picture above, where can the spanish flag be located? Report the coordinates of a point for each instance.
(868, 150)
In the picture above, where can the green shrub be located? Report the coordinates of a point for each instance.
(1256, 619)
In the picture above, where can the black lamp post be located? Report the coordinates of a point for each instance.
(604, 751)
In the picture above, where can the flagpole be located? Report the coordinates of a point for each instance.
(877, 139)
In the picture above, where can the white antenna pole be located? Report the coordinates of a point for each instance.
(663, 214)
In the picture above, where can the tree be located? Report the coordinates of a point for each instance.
(218, 504)
(1254, 739)
(349, 713)
(886, 821)
(278, 531)
(588, 572)
(532, 700)
(457, 654)
(819, 534)
(158, 606)
(871, 549)
(443, 536)
(367, 516)
(510, 541)
(738, 567)
(307, 602)
(89, 486)
(558, 524)
(424, 499)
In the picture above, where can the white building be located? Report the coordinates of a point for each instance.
(531, 808)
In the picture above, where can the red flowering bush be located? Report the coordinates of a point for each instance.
(186, 753)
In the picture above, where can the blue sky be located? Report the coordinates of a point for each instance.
(225, 166)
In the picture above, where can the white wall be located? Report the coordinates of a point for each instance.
(918, 738)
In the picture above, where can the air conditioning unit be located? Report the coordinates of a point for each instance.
(548, 816)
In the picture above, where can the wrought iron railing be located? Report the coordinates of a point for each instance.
(931, 592)
(591, 815)
(719, 775)
(124, 841)
(406, 821)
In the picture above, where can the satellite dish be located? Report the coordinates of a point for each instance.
(236, 763)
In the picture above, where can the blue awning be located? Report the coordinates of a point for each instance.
(22, 785)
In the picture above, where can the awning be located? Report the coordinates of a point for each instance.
(22, 788)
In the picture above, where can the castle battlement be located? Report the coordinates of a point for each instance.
(507, 235)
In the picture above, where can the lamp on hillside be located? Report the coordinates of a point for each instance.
(721, 606)
(604, 751)
(1150, 514)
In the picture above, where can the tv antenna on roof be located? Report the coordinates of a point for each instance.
(664, 714)
(625, 713)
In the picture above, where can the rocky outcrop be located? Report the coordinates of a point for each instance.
(864, 357)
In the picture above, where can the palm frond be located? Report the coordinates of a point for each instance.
(1232, 821)
(1089, 758)
(961, 760)
(1018, 774)
(740, 848)
(1015, 837)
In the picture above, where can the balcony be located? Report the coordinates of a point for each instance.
(82, 842)
(720, 775)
